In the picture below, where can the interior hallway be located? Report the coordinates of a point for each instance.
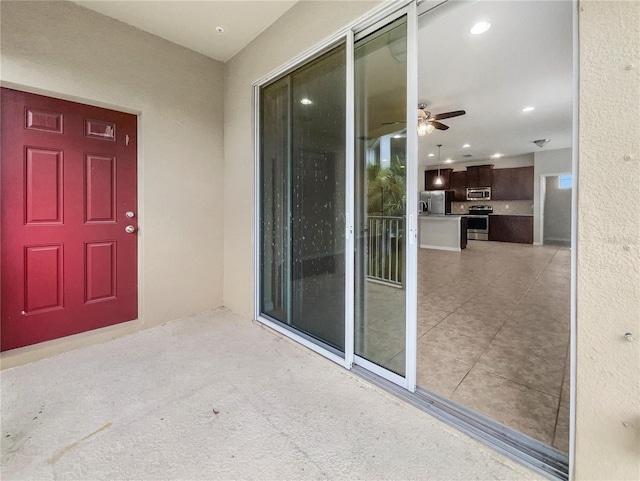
(215, 396)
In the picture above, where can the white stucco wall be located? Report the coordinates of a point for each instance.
(299, 29)
(64, 50)
(547, 162)
(608, 288)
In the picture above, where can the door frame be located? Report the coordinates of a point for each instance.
(139, 212)
(418, 7)
(543, 198)
(372, 20)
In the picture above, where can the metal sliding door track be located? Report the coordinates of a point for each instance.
(521, 448)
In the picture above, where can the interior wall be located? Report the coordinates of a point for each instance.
(557, 212)
(608, 277)
(546, 162)
(67, 51)
(302, 27)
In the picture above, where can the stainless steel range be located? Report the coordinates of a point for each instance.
(478, 219)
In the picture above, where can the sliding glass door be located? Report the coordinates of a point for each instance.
(383, 226)
(302, 200)
(335, 233)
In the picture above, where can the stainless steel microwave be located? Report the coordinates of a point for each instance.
(478, 193)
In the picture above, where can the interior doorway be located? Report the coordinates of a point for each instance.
(555, 215)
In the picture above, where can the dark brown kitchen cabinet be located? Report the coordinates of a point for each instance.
(458, 184)
(480, 176)
(523, 183)
(512, 184)
(502, 184)
(511, 228)
(430, 179)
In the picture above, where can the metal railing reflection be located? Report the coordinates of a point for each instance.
(385, 249)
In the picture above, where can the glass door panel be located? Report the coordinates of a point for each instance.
(380, 74)
(302, 199)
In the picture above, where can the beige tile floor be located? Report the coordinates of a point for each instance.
(495, 323)
(493, 333)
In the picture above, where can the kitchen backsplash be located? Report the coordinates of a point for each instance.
(504, 207)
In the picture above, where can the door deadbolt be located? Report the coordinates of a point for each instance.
(129, 229)
(129, 214)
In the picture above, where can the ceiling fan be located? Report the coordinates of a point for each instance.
(427, 122)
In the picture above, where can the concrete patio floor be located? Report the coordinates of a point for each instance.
(215, 396)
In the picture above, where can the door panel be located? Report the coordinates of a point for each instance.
(380, 64)
(68, 178)
(302, 200)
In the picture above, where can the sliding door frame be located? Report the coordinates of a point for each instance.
(383, 14)
(411, 171)
(292, 332)
(369, 22)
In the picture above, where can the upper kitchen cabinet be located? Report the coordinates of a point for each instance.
(512, 184)
(430, 177)
(458, 184)
(523, 183)
(480, 176)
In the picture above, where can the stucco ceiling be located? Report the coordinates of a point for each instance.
(192, 24)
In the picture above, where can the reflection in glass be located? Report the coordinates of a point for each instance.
(380, 101)
(302, 199)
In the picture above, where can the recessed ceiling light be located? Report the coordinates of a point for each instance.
(528, 109)
(448, 161)
(219, 29)
(466, 146)
(496, 156)
(430, 155)
(306, 101)
(480, 27)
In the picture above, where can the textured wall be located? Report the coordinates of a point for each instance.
(302, 27)
(608, 290)
(75, 53)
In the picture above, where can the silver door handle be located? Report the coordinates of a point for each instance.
(129, 229)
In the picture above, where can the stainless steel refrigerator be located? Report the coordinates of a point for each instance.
(436, 202)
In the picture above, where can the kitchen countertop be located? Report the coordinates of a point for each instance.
(514, 215)
(441, 216)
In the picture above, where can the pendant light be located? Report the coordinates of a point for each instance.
(438, 180)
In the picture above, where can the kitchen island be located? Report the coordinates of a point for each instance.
(443, 232)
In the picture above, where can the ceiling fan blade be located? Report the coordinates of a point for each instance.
(448, 115)
(438, 125)
(394, 123)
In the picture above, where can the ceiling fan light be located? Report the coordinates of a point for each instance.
(423, 128)
(430, 127)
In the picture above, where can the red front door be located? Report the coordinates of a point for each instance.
(68, 179)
